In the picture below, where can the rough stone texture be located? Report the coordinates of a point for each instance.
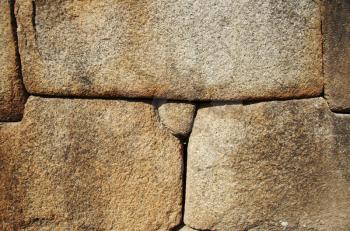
(337, 54)
(185, 228)
(280, 165)
(89, 165)
(12, 97)
(177, 116)
(187, 49)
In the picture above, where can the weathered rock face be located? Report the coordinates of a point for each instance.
(280, 165)
(203, 50)
(337, 54)
(177, 116)
(89, 165)
(78, 162)
(11, 90)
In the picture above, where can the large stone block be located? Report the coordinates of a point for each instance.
(89, 165)
(187, 49)
(280, 165)
(12, 97)
(337, 54)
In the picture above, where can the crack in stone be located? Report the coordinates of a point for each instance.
(184, 141)
(37, 221)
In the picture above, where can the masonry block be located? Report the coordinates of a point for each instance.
(336, 25)
(75, 164)
(12, 94)
(280, 165)
(188, 49)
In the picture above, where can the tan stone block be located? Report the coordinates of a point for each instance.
(202, 50)
(280, 165)
(337, 54)
(12, 96)
(85, 164)
(177, 116)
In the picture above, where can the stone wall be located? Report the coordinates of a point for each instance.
(156, 115)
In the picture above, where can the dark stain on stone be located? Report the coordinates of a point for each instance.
(85, 80)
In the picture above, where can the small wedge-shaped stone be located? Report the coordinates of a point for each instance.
(12, 97)
(280, 165)
(89, 165)
(337, 54)
(187, 49)
(177, 116)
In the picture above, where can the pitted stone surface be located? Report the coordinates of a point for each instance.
(89, 165)
(186, 49)
(177, 116)
(337, 54)
(280, 165)
(12, 97)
